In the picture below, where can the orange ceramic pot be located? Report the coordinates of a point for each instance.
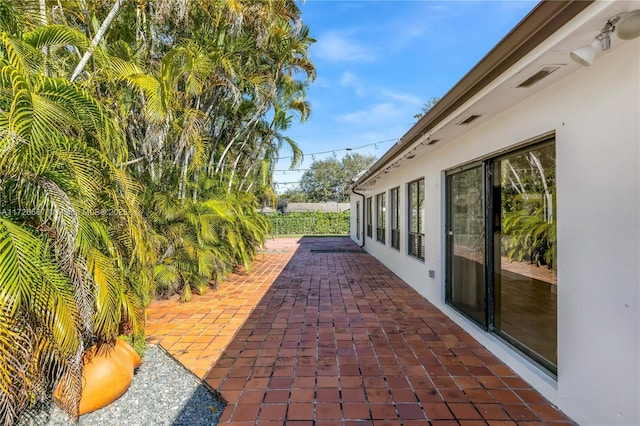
(127, 349)
(107, 373)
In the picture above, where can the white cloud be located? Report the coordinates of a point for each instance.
(338, 47)
(400, 97)
(375, 114)
(321, 81)
(362, 89)
(349, 79)
(352, 81)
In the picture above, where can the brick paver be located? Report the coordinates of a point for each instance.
(196, 333)
(335, 338)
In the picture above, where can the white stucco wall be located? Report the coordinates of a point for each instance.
(595, 113)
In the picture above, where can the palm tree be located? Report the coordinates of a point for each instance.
(71, 228)
(283, 49)
(173, 119)
(203, 241)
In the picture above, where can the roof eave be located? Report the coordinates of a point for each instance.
(543, 21)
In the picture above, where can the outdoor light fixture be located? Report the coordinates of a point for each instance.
(585, 55)
(628, 26)
(625, 25)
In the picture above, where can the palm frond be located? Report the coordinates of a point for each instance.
(54, 35)
(36, 296)
(108, 284)
(17, 339)
(20, 55)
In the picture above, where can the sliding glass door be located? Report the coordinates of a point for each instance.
(524, 240)
(466, 283)
(501, 248)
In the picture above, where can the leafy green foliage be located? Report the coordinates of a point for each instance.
(138, 178)
(528, 207)
(329, 179)
(527, 235)
(68, 274)
(313, 223)
(294, 195)
(430, 103)
(203, 241)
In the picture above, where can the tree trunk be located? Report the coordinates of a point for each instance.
(43, 18)
(248, 128)
(516, 176)
(547, 194)
(97, 39)
(43, 12)
(182, 186)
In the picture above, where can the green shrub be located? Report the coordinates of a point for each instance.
(311, 223)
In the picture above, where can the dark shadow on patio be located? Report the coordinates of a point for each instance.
(340, 339)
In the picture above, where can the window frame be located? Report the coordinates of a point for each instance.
(369, 216)
(394, 216)
(491, 262)
(381, 217)
(358, 220)
(416, 234)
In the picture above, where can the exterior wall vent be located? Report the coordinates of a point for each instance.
(433, 141)
(469, 119)
(544, 72)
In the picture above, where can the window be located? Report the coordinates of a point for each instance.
(415, 204)
(358, 220)
(501, 248)
(369, 221)
(395, 217)
(381, 217)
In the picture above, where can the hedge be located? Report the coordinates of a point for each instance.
(312, 223)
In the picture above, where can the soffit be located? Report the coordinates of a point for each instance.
(490, 87)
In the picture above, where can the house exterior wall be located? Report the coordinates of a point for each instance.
(595, 114)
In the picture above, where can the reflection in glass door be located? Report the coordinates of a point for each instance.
(466, 286)
(524, 241)
(501, 248)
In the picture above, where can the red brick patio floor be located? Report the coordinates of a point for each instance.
(319, 333)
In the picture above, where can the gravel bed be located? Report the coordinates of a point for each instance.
(163, 392)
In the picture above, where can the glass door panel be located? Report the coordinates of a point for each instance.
(466, 284)
(524, 252)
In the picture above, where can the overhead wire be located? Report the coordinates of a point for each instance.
(343, 149)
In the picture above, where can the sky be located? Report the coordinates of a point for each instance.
(379, 62)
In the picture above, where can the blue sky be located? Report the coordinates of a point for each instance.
(378, 62)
